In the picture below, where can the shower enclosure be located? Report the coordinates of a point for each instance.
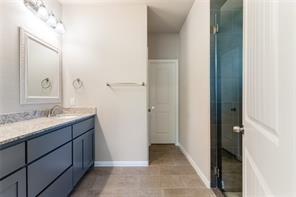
(226, 94)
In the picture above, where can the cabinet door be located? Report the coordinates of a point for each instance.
(14, 185)
(77, 159)
(83, 155)
(88, 150)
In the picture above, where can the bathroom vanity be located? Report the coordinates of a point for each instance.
(45, 156)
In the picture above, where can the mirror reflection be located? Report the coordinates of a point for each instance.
(41, 70)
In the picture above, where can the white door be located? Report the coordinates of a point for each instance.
(269, 147)
(163, 101)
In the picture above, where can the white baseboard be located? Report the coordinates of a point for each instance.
(121, 163)
(196, 168)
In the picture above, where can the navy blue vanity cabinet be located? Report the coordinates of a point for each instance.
(40, 146)
(88, 150)
(62, 187)
(12, 159)
(77, 159)
(83, 146)
(12, 171)
(49, 163)
(82, 155)
(45, 170)
(14, 185)
(51, 155)
(83, 126)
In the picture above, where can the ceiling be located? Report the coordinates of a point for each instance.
(164, 16)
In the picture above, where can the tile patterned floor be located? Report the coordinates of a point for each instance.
(233, 194)
(169, 175)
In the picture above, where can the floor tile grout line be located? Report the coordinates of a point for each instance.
(171, 159)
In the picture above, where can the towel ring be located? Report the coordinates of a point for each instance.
(46, 83)
(77, 83)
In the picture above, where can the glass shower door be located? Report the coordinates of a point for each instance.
(229, 79)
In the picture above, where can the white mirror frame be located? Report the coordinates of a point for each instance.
(24, 97)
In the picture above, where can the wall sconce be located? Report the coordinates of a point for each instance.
(39, 8)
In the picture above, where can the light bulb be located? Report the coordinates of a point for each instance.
(52, 21)
(42, 13)
(60, 28)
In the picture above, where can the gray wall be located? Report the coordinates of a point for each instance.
(195, 88)
(108, 43)
(164, 45)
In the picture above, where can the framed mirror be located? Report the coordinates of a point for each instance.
(40, 70)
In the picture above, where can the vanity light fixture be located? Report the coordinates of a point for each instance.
(42, 12)
(60, 28)
(52, 21)
(39, 8)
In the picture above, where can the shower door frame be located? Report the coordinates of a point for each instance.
(216, 137)
(216, 116)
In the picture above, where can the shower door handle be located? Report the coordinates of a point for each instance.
(233, 109)
(238, 129)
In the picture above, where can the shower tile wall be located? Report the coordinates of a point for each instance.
(230, 75)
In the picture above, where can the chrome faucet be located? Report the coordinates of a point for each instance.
(52, 111)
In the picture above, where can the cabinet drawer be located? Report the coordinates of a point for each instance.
(83, 126)
(14, 185)
(42, 172)
(43, 144)
(11, 159)
(61, 187)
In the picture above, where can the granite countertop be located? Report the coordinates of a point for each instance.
(16, 131)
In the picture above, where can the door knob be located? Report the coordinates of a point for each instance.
(151, 108)
(238, 129)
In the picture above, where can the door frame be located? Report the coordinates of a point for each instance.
(176, 62)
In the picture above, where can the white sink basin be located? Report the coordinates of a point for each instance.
(64, 116)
